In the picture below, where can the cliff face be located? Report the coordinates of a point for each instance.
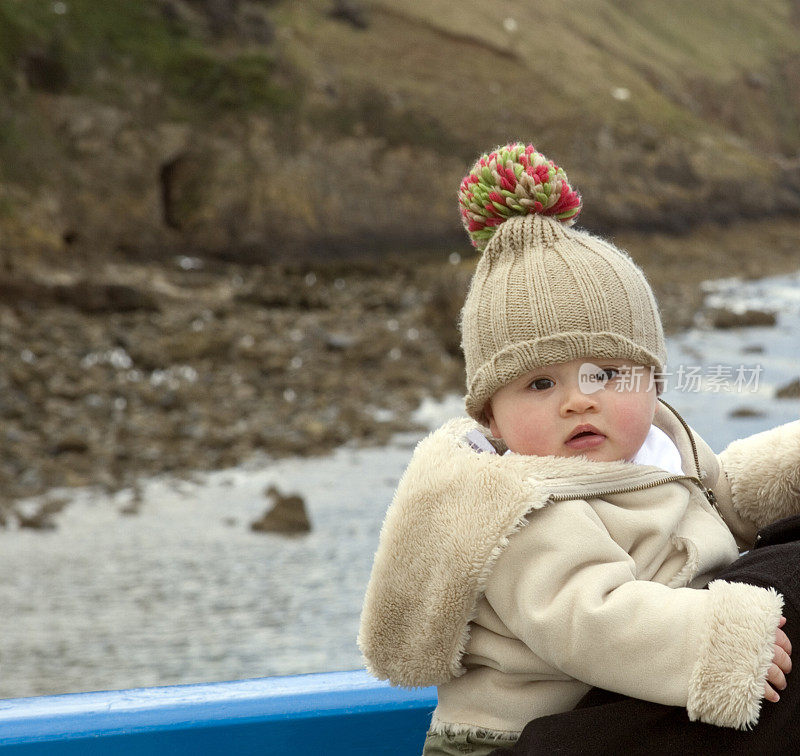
(245, 127)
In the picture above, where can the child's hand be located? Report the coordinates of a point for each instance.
(781, 664)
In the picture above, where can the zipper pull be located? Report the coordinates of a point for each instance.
(712, 499)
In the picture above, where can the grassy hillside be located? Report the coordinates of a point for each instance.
(654, 95)
(240, 124)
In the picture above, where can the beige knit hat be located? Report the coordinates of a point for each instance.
(542, 292)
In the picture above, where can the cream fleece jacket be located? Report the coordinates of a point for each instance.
(515, 583)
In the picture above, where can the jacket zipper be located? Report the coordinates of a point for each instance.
(707, 492)
(631, 489)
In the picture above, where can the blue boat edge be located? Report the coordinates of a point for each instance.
(327, 712)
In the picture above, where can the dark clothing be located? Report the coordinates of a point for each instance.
(613, 724)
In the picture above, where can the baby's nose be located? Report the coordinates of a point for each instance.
(578, 401)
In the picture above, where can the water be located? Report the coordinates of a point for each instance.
(185, 592)
(718, 357)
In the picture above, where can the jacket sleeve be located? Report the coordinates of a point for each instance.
(760, 475)
(583, 611)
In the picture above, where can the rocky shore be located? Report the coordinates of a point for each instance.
(120, 367)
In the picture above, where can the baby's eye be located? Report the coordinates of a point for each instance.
(542, 384)
(611, 373)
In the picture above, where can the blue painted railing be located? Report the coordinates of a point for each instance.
(329, 713)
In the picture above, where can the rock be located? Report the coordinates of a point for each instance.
(339, 341)
(22, 375)
(315, 430)
(258, 28)
(221, 15)
(180, 347)
(724, 318)
(287, 515)
(282, 297)
(133, 505)
(182, 181)
(46, 70)
(70, 443)
(745, 412)
(40, 518)
(790, 391)
(350, 12)
(93, 298)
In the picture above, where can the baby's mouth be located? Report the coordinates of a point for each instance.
(585, 437)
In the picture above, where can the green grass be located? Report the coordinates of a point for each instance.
(133, 39)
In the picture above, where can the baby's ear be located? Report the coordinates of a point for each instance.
(487, 411)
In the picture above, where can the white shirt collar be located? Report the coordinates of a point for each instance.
(658, 450)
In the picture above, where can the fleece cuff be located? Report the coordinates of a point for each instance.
(727, 684)
(764, 474)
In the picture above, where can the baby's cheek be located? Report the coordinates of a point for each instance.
(636, 414)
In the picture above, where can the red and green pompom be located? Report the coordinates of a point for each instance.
(514, 180)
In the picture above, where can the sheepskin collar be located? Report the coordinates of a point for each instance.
(451, 518)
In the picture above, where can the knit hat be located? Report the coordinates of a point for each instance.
(542, 292)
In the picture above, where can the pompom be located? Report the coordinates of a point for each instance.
(514, 180)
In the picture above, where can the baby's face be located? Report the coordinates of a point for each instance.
(568, 409)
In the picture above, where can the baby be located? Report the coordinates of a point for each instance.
(568, 535)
